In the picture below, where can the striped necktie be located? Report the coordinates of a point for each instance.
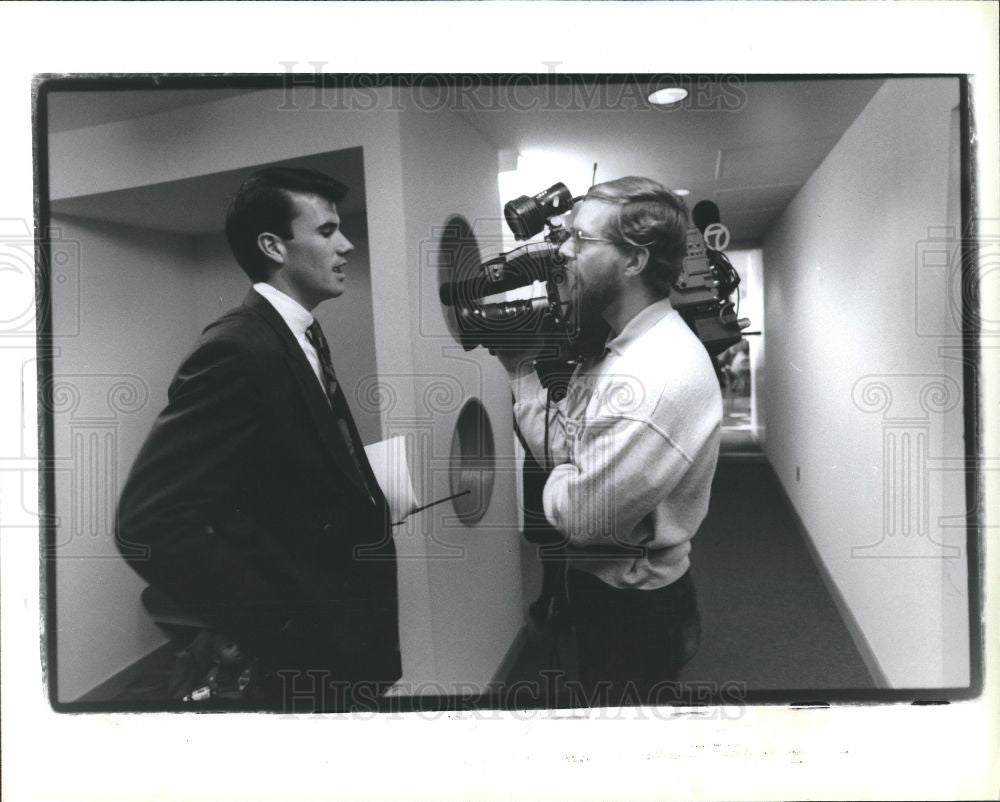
(338, 404)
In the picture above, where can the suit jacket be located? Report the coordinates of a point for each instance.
(245, 507)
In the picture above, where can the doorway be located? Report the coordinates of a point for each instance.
(740, 368)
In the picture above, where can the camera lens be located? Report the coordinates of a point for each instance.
(526, 216)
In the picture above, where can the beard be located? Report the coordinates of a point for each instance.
(593, 298)
(589, 304)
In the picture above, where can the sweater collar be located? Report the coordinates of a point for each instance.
(639, 325)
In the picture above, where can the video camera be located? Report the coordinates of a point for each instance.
(701, 294)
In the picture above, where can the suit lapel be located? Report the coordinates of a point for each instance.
(309, 386)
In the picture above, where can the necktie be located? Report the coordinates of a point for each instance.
(337, 402)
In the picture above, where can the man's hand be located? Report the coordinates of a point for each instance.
(516, 362)
(519, 357)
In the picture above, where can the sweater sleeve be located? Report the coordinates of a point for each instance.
(617, 470)
(610, 471)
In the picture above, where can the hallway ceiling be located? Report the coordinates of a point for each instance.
(748, 145)
(71, 110)
(197, 206)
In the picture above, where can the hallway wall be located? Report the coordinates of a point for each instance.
(862, 411)
(473, 570)
(110, 382)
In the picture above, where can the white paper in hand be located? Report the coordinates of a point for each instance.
(388, 461)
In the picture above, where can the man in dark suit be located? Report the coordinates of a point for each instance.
(251, 503)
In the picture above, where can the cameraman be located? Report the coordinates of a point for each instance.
(632, 447)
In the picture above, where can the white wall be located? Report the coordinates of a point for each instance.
(137, 320)
(858, 397)
(474, 572)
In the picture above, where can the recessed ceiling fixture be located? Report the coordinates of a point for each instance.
(682, 192)
(668, 96)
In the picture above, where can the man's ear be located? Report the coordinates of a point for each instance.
(272, 246)
(637, 260)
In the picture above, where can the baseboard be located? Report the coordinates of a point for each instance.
(737, 456)
(511, 655)
(116, 685)
(878, 675)
(740, 445)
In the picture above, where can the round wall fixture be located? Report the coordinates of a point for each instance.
(473, 462)
(457, 260)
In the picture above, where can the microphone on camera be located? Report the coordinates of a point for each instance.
(704, 214)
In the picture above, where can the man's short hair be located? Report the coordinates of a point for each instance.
(265, 203)
(649, 216)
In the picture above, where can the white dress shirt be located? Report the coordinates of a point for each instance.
(298, 319)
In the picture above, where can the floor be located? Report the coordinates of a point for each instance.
(768, 621)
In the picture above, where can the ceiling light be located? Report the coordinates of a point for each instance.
(668, 96)
(683, 193)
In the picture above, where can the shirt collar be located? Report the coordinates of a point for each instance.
(639, 325)
(296, 316)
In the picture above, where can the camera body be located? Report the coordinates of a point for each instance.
(701, 294)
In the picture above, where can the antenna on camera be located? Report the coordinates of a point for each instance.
(593, 175)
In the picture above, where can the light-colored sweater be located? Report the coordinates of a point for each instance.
(634, 447)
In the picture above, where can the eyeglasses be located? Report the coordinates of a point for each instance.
(578, 238)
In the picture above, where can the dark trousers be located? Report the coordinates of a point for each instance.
(630, 643)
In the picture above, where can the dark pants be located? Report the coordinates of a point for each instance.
(630, 643)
